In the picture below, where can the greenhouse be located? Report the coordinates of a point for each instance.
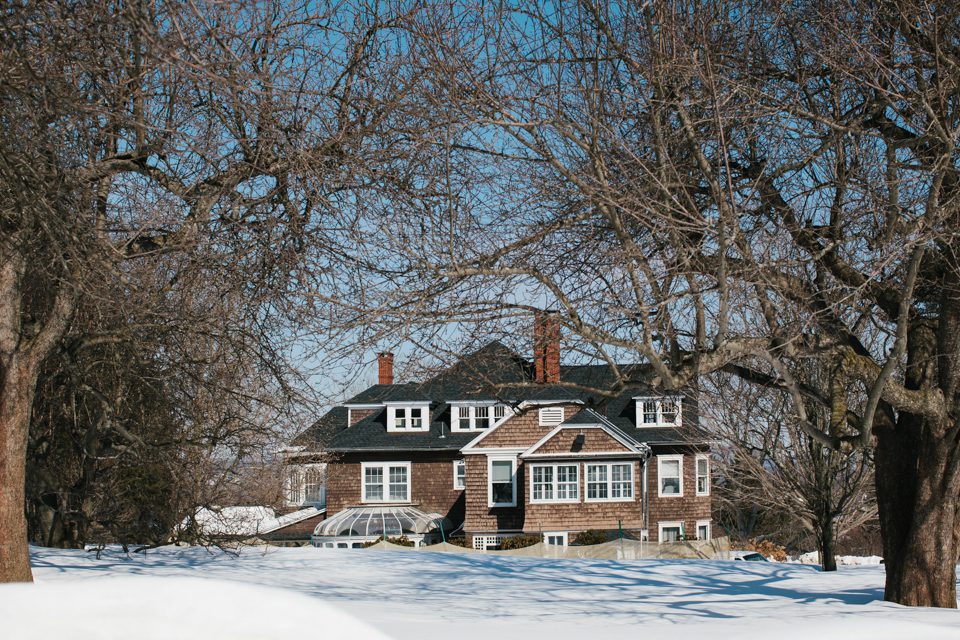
(355, 526)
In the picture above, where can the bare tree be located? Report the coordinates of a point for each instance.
(195, 165)
(740, 186)
(767, 461)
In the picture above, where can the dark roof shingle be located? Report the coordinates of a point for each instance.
(493, 373)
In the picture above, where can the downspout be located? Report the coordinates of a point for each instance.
(645, 489)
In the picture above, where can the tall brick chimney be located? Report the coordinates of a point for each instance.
(546, 347)
(385, 366)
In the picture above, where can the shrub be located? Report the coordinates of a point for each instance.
(402, 541)
(460, 541)
(590, 536)
(519, 542)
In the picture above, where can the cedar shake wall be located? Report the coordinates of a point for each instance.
(578, 516)
(687, 508)
(523, 430)
(482, 517)
(594, 440)
(431, 487)
(356, 415)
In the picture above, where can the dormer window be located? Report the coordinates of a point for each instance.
(663, 411)
(476, 417)
(406, 417)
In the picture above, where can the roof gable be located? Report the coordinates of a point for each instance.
(599, 436)
(566, 439)
(517, 432)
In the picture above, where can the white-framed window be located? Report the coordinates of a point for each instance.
(554, 483)
(459, 474)
(609, 481)
(703, 530)
(670, 476)
(664, 411)
(306, 484)
(670, 531)
(408, 417)
(478, 417)
(502, 482)
(551, 416)
(556, 538)
(703, 474)
(385, 481)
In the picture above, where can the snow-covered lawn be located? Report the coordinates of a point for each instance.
(321, 593)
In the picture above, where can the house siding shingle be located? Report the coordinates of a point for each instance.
(496, 372)
(479, 515)
(688, 508)
(595, 440)
(356, 415)
(582, 515)
(431, 487)
(522, 430)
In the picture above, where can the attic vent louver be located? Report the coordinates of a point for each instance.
(551, 416)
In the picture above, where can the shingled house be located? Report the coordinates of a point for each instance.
(496, 446)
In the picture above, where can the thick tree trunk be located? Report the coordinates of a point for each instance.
(16, 401)
(21, 354)
(917, 500)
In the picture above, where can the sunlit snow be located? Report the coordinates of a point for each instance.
(327, 593)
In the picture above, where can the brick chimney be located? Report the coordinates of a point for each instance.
(385, 366)
(546, 347)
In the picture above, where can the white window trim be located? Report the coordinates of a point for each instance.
(704, 523)
(609, 481)
(564, 535)
(666, 524)
(697, 476)
(456, 407)
(385, 466)
(554, 483)
(295, 484)
(457, 463)
(392, 416)
(678, 420)
(490, 461)
(660, 461)
(547, 411)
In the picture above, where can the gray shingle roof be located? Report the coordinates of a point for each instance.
(323, 430)
(493, 373)
(370, 434)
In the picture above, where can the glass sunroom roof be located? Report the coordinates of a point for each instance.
(380, 521)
